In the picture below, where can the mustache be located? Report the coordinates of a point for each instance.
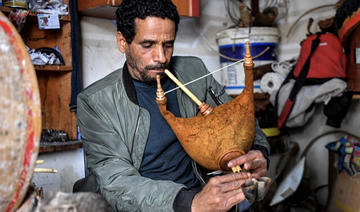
(157, 66)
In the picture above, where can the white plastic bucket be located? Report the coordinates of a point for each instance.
(232, 44)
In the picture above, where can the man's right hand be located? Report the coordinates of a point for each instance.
(221, 193)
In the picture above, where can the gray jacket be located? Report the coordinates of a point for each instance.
(114, 130)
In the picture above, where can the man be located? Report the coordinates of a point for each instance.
(138, 163)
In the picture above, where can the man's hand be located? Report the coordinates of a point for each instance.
(220, 193)
(253, 162)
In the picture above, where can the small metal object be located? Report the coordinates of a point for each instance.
(215, 96)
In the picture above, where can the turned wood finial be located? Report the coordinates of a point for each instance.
(248, 59)
(205, 109)
(160, 94)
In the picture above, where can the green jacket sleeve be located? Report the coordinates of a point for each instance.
(110, 160)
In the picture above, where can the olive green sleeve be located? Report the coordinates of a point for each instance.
(109, 160)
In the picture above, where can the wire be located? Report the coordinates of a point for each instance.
(210, 73)
(227, 57)
(312, 142)
(233, 18)
(273, 3)
(307, 12)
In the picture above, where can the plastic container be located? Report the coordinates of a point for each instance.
(232, 44)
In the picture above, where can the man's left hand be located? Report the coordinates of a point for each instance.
(253, 162)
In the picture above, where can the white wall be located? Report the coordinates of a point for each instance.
(196, 36)
(70, 167)
(100, 57)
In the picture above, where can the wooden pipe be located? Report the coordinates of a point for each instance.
(225, 133)
(205, 109)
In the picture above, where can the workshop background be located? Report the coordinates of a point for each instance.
(197, 37)
(304, 160)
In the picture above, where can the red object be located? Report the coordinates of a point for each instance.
(348, 26)
(194, 8)
(321, 58)
(328, 60)
(285, 113)
(349, 35)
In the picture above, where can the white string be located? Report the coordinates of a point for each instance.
(283, 67)
(239, 61)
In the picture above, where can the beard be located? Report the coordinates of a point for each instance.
(141, 73)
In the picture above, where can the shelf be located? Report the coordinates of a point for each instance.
(53, 68)
(54, 81)
(59, 146)
(65, 18)
(60, 38)
(107, 8)
(189, 8)
(84, 5)
(55, 96)
(356, 96)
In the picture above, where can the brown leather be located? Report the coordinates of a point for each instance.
(227, 132)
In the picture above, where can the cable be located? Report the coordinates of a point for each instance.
(210, 73)
(312, 142)
(234, 19)
(307, 12)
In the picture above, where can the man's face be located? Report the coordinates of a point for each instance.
(150, 51)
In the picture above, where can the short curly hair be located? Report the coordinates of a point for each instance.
(129, 10)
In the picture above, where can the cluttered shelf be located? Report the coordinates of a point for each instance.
(106, 8)
(53, 68)
(40, 39)
(59, 146)
(32, 14)
(53, 140)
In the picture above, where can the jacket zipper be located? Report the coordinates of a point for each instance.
(197, 173)
(136, 129)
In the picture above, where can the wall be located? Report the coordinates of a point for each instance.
(197, 37)
(69, 166)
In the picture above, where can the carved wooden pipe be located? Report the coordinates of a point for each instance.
(223, 134)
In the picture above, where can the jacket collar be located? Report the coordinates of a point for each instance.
(129, 85)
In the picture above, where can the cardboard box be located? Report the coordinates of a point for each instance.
(346, 194)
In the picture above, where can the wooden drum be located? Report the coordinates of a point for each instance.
(20, 117)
